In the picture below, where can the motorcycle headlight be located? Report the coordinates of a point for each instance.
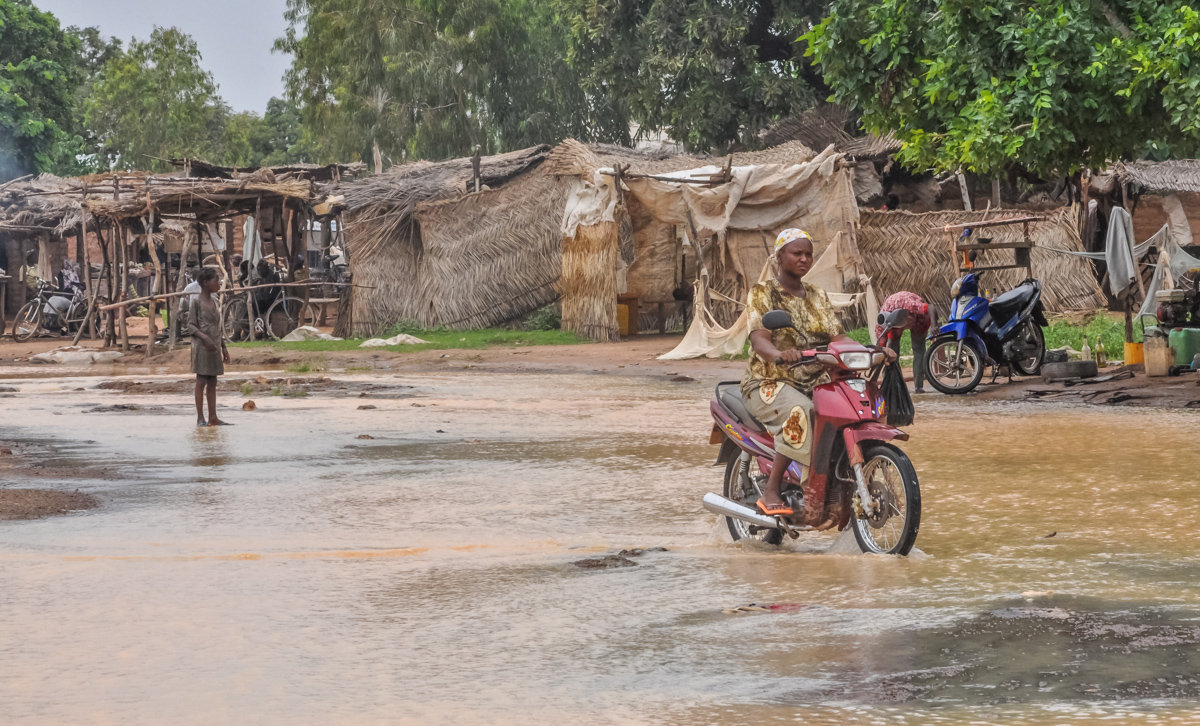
(956, 287)
(857, 361)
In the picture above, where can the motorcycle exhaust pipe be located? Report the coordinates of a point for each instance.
(720, 505)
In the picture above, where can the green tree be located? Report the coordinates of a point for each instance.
(426, 78)
(1050, 86)
(709, 73)
(39, 72)
(155, 102)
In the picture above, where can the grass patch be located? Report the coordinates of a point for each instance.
(1111, 330)
(439, 339)
(246, 389)
(305, 366)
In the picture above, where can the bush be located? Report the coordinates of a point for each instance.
(544, 318)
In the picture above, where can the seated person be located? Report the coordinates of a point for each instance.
(779, 395)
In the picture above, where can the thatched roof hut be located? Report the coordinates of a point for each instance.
(906, 251)
(1157, 193)
(425, 247)
(644, 228)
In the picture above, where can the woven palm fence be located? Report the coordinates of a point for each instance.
(906, 251)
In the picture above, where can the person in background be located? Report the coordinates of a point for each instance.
(919, 321)
(241, 269)
(266, 275)
(28, 273)
(209, 354)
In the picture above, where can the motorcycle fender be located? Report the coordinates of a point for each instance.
(717, 435)
(868, 431)
(1039, 315)
(729, 450)
(962, 330)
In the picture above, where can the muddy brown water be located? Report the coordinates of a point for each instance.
(283, 570)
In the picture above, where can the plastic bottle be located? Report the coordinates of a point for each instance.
(1086, 351)
(1101, 354)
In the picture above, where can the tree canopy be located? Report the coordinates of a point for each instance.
(709, 73)
(1051, 86)
(39, 73)
(426, 78)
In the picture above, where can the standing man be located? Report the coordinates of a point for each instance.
(919, 321)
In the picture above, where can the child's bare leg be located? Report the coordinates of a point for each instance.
(212, 402)
(200, 385)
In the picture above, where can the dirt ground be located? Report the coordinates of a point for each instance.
(27, 461)
(637, 357)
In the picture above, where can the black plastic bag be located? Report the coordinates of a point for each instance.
(897, 403)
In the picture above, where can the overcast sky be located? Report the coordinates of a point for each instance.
(235, 37)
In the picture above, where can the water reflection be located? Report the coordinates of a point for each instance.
(287, 568)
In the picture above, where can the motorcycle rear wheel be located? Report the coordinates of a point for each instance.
(739, 488)
(893, 485)
(951, 369)
(1031, 365)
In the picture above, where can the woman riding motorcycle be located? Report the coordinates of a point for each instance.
(777, 392)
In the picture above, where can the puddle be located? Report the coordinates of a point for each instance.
(289, 568)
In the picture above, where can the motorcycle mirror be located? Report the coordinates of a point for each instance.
(893, 319)
(777, 319)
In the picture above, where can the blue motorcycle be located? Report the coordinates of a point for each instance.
(1006, 331)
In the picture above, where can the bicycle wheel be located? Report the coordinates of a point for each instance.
(236, 320)
(287, 314)
(28, 321)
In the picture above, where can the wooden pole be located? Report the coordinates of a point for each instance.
(966, 194)
(180, 283)
(995, 192)
(289, 240)
(123, 254)
(152, 327)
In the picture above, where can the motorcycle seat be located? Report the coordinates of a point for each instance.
(1011, 302)
(730, 396)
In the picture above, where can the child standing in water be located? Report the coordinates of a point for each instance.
(209, 355)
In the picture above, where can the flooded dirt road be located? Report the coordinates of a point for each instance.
(288, 570)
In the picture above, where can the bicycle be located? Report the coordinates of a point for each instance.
(285, 314)
(65, 310)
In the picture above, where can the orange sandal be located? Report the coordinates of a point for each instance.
(782, 510)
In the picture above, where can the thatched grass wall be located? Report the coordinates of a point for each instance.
(589, 282)
(902, 251)
(495, 256)
(429, 252)
(475, 261)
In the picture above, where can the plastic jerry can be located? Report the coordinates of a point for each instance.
(1186, 342)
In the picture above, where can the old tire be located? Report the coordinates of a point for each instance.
(1069, 369)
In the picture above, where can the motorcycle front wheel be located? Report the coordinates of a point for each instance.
(953, 366)
(892, 484)
(739, 486)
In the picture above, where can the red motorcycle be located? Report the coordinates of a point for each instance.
(858, 477)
